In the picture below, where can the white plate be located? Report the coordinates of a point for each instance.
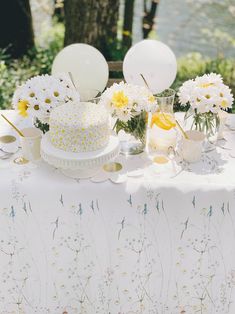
(78, 165)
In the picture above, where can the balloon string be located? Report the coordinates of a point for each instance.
(71, 78)
(145, 81)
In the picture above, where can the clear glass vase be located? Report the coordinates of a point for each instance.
(207, 123)
(132, 134)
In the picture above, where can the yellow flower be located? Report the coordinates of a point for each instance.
(224, 103)
(23, 106)
(47, 100)
(205, 85)
(119, 99)
(151, 99)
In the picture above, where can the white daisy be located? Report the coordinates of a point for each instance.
(207, 93)
(125, 100)
(186, 91)
(41, 94)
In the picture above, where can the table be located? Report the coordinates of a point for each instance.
(149, 245)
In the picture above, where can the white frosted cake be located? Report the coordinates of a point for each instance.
(82, 127)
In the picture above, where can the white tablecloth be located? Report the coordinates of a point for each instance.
(151, 245)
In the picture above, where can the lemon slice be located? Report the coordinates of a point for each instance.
(163, 120)
(160, 160)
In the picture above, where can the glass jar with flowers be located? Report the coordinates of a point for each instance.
(205, 97)
(129, 106)
(40, 94)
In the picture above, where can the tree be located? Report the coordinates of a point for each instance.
(91, 21)
(128, 23)
(149, 17)
(59, 10)
(148, 21)
(16, 30)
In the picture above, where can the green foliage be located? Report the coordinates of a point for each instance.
(15, 72)
(136, 126)
(116, 50)
(165, 93)
(207, 122)
(44, 127)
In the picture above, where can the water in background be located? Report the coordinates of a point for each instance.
(187, 26)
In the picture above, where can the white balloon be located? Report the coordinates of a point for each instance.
(155, 61)
(88, 67)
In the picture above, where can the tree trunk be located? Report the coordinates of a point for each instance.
(16, 30)
(128, 23)
(149, 17)
(91, 21)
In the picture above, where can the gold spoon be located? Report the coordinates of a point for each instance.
(13, 126)
(181, 129)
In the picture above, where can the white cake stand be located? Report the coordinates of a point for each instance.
(79, 165)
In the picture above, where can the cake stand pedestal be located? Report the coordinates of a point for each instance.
(79, 165)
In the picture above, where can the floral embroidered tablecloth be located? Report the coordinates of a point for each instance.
(150, 245)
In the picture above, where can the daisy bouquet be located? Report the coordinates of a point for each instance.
(40, 94)
(129, 104)
(206, 96)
